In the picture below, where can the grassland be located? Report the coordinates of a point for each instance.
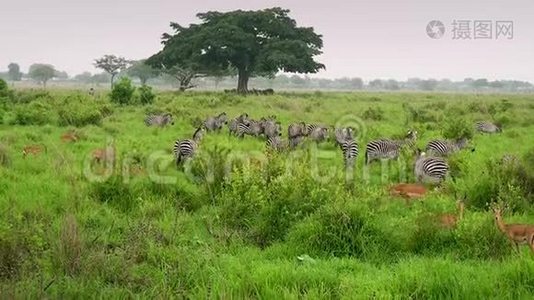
(278, 226)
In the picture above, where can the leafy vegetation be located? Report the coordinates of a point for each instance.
(236, 222)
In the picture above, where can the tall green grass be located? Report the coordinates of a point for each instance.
(237, 222)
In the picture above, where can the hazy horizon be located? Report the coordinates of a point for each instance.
(367, 39)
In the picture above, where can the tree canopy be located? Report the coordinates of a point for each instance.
(14, 72)
(142, 71)
(42, 73)
(111, 64)
(255, 43)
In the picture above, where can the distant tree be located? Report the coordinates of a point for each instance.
(255, 43)
(428, 85)
(356, 83)
(111, 64)
(142, 71)
(101, 78)
(184, 76)
(42, 73)
(14, 72)
(297, 80)
(479, 83)
(376, 84)
(61, 75)
(84, 77)
(391, 84)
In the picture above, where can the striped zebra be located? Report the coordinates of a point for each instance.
(446, 147)
(276, 143)
(184, 149)
(388, 149)
(296, 129)
(253, 128)
(272, 128)
(487, 127)
(349, 147)
(295, 141)
(318, 133)
(430, 169)
(215, 123)
(343, 134)
(234, 123)
(159, 120)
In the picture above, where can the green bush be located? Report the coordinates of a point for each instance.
(373, 113)
(27, 96)
(122, 92)
(457, 128)
(115, 192)
(146, 96)
(79, 111)
(34, 113)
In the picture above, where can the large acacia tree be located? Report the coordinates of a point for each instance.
(255, 43)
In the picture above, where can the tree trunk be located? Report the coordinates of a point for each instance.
(242, 81)
(112, 77)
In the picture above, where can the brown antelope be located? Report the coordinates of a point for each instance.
(69, 137)
(516, 233)
(104, 154)
(32, 149)
(450, 220)
(408, 190)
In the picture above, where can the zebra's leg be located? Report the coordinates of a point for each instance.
(178, 160)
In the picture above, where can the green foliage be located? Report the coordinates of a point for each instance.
(273, 44)
(373, 113)
(74, 111)
(115, 192)
(146, 96)
(240, 222)
(456, 127)
(122, 92)
(42, 73)
(34, 113)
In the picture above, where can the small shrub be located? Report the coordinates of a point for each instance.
(146, 96)
(373, 113)
(456, 128)
(122, 92)
(27, 96)
(34, 113)
(73, 113)
(115, 192)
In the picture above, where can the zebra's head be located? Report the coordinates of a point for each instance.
(168, 118)
(222, 118)
(199, 133)
(411, 135)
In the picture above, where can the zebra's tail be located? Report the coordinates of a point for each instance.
(366, 156)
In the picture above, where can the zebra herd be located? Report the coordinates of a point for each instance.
(430, 166)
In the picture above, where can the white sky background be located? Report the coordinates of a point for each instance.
(368, 39)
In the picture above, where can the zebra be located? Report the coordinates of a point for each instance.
(272, 128)
(350, 150)
(487, 127)
(343, 134)
(430, 169)
(276, 143)
(446, 147)
(215, 123)
(388, 149)
(234, 123)
(295, 141)
(184, 149)
(296, 129)
(159, 120)
(318, 134)
(254, 128)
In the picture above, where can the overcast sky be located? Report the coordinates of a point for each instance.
(368, 39)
